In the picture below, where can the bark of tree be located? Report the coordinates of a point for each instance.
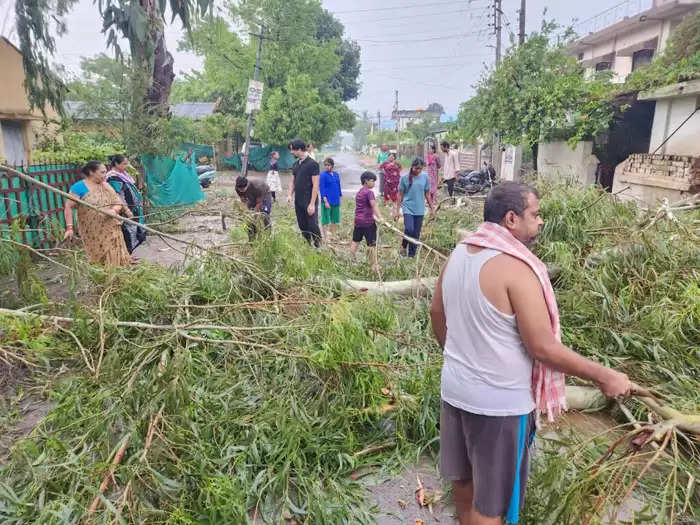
(153, 57)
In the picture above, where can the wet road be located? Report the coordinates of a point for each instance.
(348, 165)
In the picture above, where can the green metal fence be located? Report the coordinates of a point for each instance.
(34, 214)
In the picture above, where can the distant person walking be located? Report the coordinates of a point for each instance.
(392, 176)
(256, 195)
(304, 190)
(310, 149)
(433, 165)
(382, 157)
(414, 191)
(273, 176)
(451, 166)
(366, 209)
(331, 194)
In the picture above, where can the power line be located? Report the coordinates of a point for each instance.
(413, 59)
(350, 11)
(431, 13)
(410, 40)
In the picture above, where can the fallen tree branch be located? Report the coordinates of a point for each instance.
(147, 326)
(107, 478)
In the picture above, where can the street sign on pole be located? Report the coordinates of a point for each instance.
(254, 98)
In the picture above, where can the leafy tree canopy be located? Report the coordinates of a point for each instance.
(537, 93)
(300, 40)
(103, 88)
(299, 109)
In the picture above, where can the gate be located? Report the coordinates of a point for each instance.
(38, 212)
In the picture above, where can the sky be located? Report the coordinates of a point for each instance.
(430, 51)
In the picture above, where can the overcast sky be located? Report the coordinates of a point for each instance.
(431, 51)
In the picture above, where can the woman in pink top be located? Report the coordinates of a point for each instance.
(392, 176)
(433, 165)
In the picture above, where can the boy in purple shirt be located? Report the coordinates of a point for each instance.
(366, 209)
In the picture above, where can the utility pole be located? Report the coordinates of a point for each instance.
(496, 148)
(256, 74)
(396, 109)
(497, 26)
(379, 119)
(521, 36)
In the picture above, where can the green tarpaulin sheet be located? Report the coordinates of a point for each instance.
(260, 158)
(172, 182)
(198, 150)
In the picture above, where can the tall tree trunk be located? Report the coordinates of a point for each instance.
(535, 151)
(153, 58)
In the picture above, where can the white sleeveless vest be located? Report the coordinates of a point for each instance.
(486, 369)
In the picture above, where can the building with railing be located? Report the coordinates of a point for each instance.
(628, 35)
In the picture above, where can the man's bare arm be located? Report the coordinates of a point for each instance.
(527, 299)
(437, 312)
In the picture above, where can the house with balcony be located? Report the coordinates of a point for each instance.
(631, 39)
(651, 150)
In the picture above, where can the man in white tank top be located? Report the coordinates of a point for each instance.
(490, 316)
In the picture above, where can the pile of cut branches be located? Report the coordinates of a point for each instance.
(237, 392)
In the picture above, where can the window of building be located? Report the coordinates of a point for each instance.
(580, 56)
(642, 58)
(603, 66)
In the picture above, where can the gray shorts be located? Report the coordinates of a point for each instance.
(491, 451)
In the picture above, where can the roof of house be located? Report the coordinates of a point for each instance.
(9, 43)
(681, 89)
(666, 10)
(192, 110)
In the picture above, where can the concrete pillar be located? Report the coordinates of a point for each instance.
(511, 163)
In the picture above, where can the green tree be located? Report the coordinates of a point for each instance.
(360, 131)
(298, 110)
(423, 127)
(538, 93)
(104, 89)
(301, 47)
(141, 22)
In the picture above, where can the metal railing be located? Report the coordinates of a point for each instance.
(614, 14)
(33, 212)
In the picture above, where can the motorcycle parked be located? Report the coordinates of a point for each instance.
(476, 182)
(206, 175)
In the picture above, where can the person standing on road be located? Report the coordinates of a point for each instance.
(495, 315)
(273, 176)
(451, 166)
(304, 190)
(256, 195)
(392, 176)
(331, 193)
(414, 191)
(382, 157)
(433, 162)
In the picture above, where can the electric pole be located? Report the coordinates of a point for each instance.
(379, 119)
(521, 36)
(256, 74)
(496, 148)
(497, 26)
(396, 109)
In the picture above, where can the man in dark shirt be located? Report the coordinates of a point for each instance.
(304, 189)
(255, 194)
